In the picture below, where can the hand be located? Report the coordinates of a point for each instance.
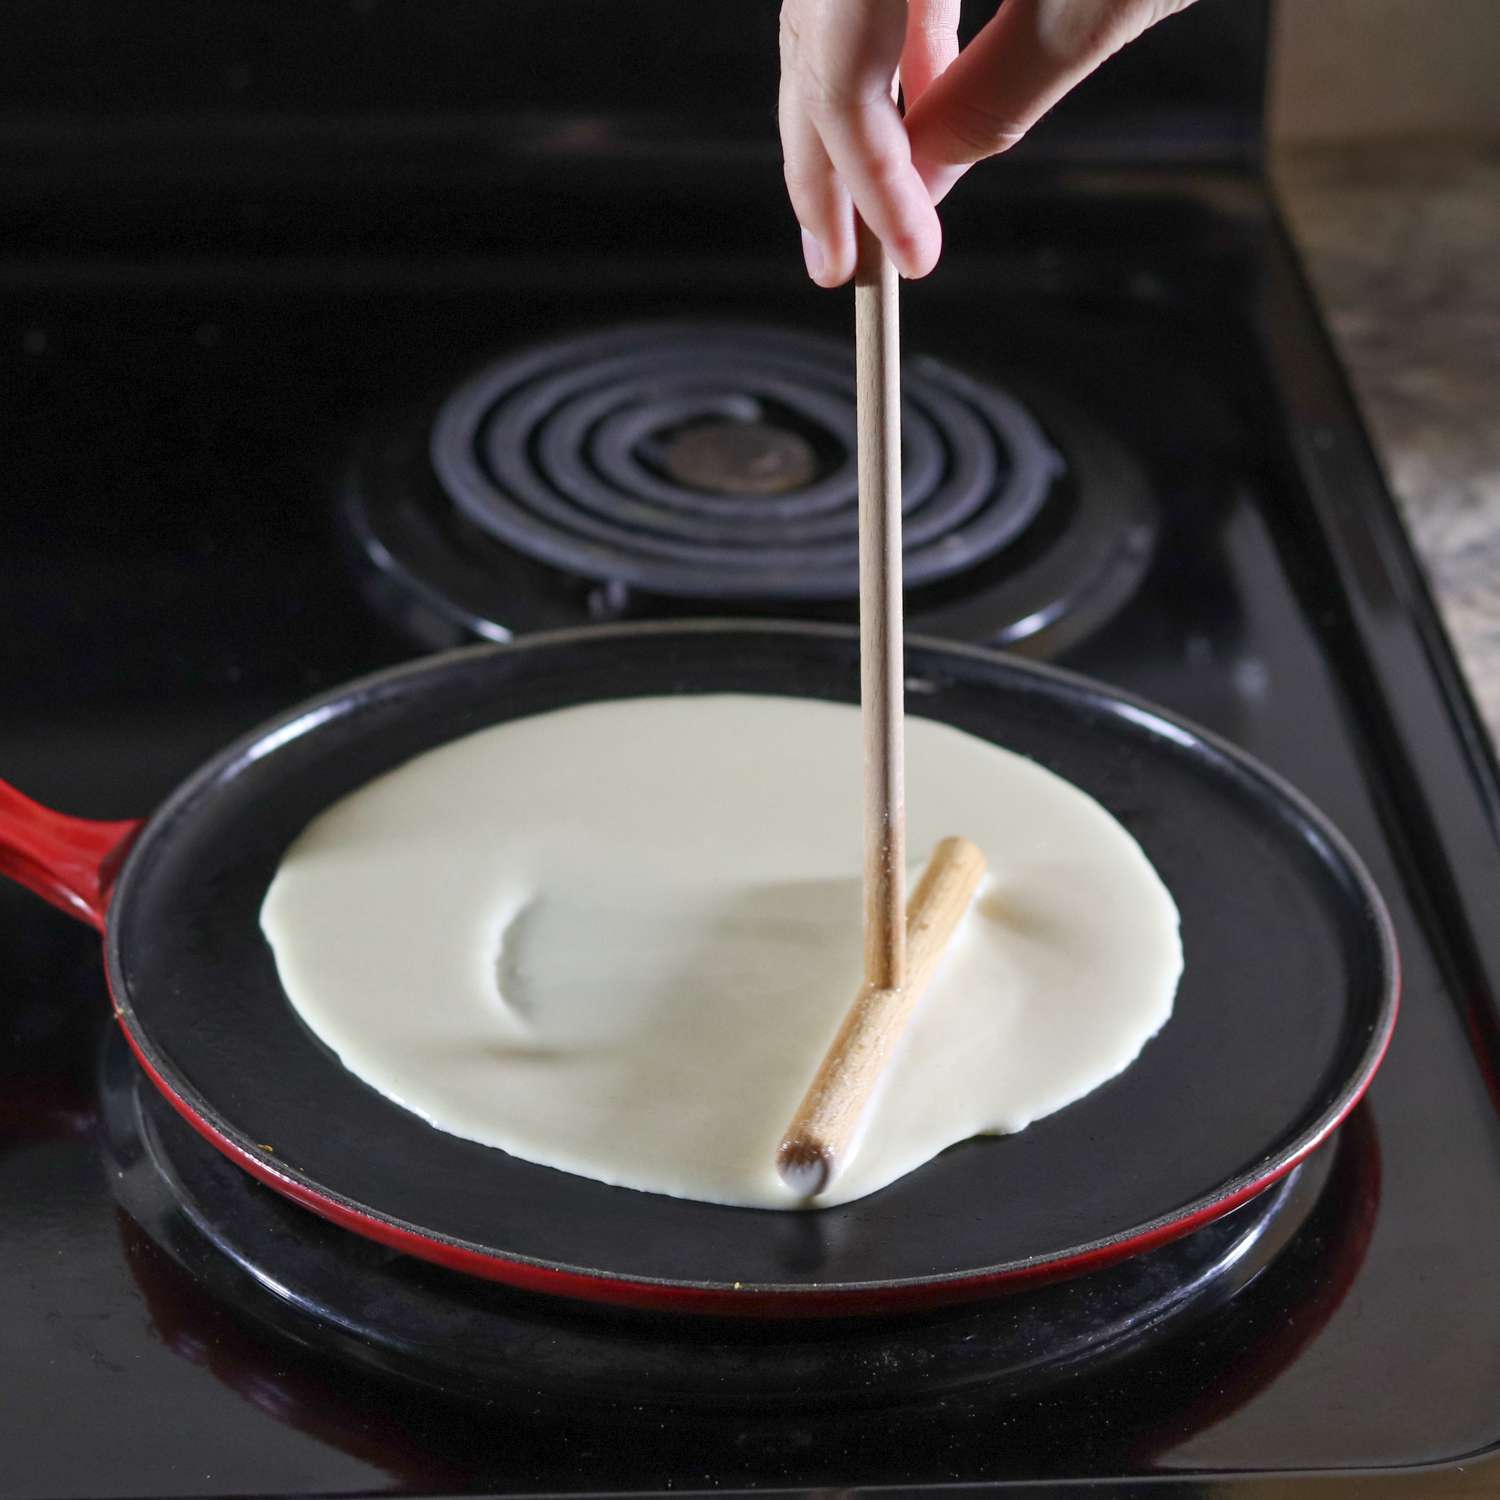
(846, 144)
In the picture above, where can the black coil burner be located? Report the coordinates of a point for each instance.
(661, 470)
(719, 463)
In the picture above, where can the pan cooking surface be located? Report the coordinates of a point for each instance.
(1270, 1041)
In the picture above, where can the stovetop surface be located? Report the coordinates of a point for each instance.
(177, 429)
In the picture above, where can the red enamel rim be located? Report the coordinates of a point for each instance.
(734, 1300)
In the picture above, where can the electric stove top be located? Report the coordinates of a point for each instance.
(249, 456)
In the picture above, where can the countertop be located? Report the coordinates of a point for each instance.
(1403, 246)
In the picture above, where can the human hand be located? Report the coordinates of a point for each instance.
(846, 144)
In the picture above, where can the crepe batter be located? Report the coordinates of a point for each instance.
(618, 938)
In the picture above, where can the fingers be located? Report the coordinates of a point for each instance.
(844, 138)
(1030, 55)
(819, 199)
(931, 44)
(870, 151)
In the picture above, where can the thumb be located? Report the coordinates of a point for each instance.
(1029, 56)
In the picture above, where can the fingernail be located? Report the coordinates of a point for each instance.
(812, 253)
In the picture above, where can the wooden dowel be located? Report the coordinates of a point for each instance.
(817, 1141)
(877, 356)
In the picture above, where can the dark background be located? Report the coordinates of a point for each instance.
(1192, 86)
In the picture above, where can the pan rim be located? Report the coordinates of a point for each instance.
(590, 1283)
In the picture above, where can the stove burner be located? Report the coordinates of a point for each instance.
(662, 470)
(439, 1329)
(574, 453)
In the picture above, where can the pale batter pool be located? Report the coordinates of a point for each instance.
(616, 939)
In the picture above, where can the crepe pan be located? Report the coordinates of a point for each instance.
(1285, 1009)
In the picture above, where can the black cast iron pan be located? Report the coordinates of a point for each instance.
(1285, 1008)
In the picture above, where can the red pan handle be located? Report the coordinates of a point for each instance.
(71, 862)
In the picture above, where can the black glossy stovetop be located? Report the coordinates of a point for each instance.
(179, 426)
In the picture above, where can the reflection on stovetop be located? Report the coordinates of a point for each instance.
(461, 1336)
(229, 1308)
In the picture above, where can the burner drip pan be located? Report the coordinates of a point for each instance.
(672, 470)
